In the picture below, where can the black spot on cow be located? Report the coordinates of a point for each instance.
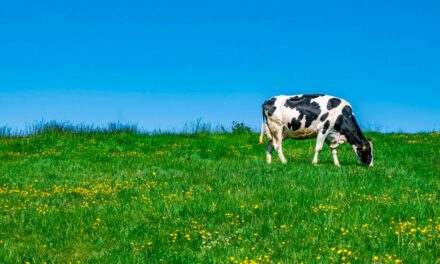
(333, 103)
(269, 106)
(313, 96)
(347, 111)
(324, 117)
(326, 126)
(306, 108)
(294, 125)
(293, 102)
(346, 124)
(338, 123)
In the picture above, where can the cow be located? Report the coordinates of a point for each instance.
(304, 116)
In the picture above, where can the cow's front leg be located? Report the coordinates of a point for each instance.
(335, 157)
(269, 149)
(319, 143)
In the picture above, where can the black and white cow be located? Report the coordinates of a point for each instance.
(304, 116)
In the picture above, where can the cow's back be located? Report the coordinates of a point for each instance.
(303, 115)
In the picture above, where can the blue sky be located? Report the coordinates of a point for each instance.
(161, 64)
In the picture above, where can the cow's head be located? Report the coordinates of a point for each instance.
(365, 153)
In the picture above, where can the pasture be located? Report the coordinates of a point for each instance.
(125, 197)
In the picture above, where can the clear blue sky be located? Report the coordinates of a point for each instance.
(163, 63)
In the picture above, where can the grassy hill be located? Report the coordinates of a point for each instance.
(209, 198)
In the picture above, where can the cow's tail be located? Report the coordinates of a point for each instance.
(263, 128)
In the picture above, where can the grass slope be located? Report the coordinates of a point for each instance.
(210, 198)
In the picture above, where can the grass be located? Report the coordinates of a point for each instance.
(119, 196)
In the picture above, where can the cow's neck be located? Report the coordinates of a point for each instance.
(354, 135)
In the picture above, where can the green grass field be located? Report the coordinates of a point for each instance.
(210, 198)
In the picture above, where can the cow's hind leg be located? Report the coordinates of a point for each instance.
(277, 144)
(269, 149)
(319, 143)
